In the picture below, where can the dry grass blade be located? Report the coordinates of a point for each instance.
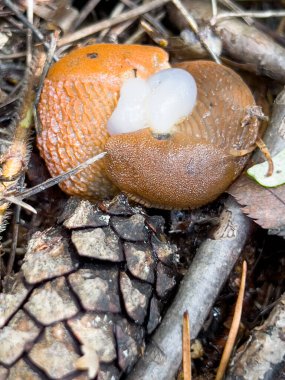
(19, 202)
(126, 16)
(186, 347)
(234, 327)
(62, 177)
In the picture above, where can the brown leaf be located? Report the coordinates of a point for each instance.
(264, 205)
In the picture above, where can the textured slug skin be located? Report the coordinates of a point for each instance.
(78, 97)
(194, 166)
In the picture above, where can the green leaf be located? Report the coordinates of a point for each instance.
(258, 172)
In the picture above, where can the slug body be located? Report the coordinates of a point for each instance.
(192, 166)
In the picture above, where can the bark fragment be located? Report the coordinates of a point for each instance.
(132, 228)
(14, 293)
(98, 243)
(140, 261)
(57, 300)
(15, 338)
(95, 330)
(47, 256)
(97, 289)
(136, 297)
(263, 355)
(55, 352)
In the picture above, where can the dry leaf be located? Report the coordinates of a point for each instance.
(265, 206)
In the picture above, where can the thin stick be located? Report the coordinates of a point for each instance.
(234, 327)
(15, 232)
(54, 181)
(214, 8)
(118, 10)
(48, 62)
(88, 7)
(193, 25)
(255, 14)
(30, 14)
(18, 202)
(154, 21)
(236, 8)
(186, 347)
(20, 54)
(126, 16)
(265, 151)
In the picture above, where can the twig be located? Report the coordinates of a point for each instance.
(30, 14)
(243, 43)
(186, 348)
(133, 13)
(62, 177)
(236, 8)
(214, 8)
(47, 65)
(152, 20)
(18, 202)
(194, 26)
(15, 233)
(13, 55)
(118, 10)
(255, 14)
(88, 7)
(234, 327)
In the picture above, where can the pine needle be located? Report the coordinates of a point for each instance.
(186, 347)
(234, 327)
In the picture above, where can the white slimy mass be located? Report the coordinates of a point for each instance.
(158, 103)
(130, 113)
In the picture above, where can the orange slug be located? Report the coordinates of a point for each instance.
(188, 168)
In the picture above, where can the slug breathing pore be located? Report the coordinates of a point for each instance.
(168, 132)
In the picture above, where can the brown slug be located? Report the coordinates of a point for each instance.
(189, 167)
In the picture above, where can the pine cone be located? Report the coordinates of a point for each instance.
(88, 294)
